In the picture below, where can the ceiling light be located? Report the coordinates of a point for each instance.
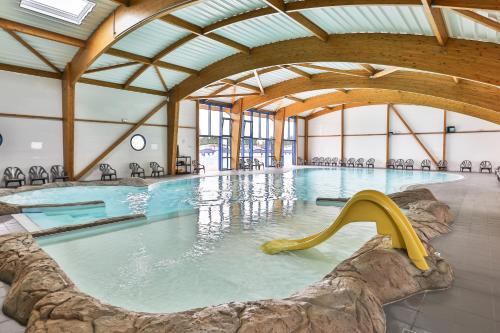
(73, 11)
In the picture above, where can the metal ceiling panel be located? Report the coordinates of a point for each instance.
(151, 39)
(57, 53)
(173, 78)
(149, 79)
(199, 53)
(462, 27)
(264, 30)
(108, 60)
(13, 53)
(10, 10)
(210, 11)
(371, 19)
(314, 93)
(118, 75)
(271, 78)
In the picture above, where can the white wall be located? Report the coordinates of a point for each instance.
(324, 139)
(30, 95)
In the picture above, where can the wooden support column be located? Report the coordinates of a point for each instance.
(172, 132)
(68, 109)
(236, 124)
(296, 140)
(342, 153)
(306, 140)
(433, 159)
(197, 133)
(444, 135)
(279, 126)
(388, 134)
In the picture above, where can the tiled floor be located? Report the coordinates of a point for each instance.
(7, 325)
(472, 305)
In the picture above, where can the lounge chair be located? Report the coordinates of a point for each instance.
(136, 170)
(107, 172)
(343, 162)
(351, 162)
(300, 161)
(426, 164)
(360, 162)
(497, 171)
(314, 161)
(390, 164)
(156, 169)
(244, 165)
(58, 173)
(277, 163)
(321, 161)
(258, 164)
(442, 165)
(335, 161)
(370, 163)
(400, 163)
(328, 161)
(14, 175)
(38, 174)
(197, 167)
(409, 164)
(485, 165)
(466, 165)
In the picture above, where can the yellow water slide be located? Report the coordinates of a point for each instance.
(368, 205)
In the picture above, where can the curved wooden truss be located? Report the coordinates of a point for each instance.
(476, 61)
(364, 97)
(478, 100)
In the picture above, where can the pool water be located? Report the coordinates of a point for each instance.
(200, 243)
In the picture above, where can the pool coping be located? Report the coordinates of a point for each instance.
(320, 307)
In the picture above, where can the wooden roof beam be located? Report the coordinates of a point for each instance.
(295, 99)
(384, 72)
(436, 20)
(41, 33)
(148, 61)
(369, 68)
(280, 7)
(296, 71)
(257, 78)
(334, 70)
(32, 50)
(221, 96)
(107, 68)
(197, 30)
(240, 84)
(161, 78)
(489, 23)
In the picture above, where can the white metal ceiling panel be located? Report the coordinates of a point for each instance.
(118, 75)
(151, 39)
(10, 10)
(264, 30)
(271, 78)
(210, 11)
(462, 27)
(13, 53)
(199, 53)
(57, 53)
(371, 19)
(108, 60)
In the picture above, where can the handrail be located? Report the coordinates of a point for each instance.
(368, 205)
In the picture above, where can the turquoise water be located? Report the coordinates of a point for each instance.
(200, 243)
(161, 199)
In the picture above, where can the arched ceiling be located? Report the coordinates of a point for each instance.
(227, 49)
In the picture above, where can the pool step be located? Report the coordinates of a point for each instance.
(54, 209)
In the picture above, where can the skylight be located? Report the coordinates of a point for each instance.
(73, 11)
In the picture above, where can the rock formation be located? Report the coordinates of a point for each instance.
(349, 299)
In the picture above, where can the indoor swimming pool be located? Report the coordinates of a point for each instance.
(200, 243)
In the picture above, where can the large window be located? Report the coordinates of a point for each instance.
(257, 136)
(215, 137)
(289, 152)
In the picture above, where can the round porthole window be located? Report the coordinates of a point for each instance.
(1, 139)
(138, 142)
